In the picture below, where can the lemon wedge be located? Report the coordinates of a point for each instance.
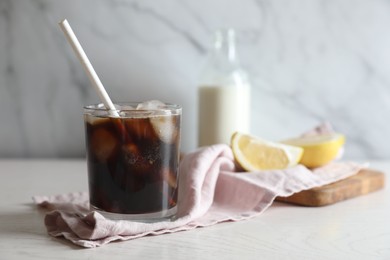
(254, 153)
(318, 150)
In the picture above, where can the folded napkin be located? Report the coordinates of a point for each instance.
(210, 192)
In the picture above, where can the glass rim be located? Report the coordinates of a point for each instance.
(101, 107)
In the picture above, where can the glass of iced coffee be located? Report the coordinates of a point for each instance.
(133, 160)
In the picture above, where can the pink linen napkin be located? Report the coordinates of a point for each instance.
(210, 192)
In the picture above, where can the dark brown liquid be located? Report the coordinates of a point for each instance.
(132, 163)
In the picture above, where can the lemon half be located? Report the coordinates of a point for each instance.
(254, 153)
(318, 150)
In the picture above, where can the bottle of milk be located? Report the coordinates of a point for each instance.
(224, 93)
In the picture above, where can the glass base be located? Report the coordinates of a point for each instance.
(165, 215)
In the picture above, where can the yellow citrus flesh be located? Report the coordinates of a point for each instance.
(254, 154)
(318, 150)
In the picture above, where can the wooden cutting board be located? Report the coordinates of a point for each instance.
(363, 182)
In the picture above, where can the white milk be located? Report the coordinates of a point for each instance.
(222, 111)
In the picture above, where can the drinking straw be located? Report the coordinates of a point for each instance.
(72, 39)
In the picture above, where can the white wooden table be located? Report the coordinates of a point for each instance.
(355, 229)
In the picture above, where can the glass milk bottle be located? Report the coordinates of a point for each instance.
(223, 94)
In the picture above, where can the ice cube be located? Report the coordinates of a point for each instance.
(103, 144)
(92, 120)
(136, 113)
(140, 129)
(165, 128)
(122, 114)
(151, 105)
(125, 107)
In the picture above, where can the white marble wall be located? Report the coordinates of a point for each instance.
(310, 61)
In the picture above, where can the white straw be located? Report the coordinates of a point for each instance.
(72, 39)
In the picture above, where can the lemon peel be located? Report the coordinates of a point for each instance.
(318, 150)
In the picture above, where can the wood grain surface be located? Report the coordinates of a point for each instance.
(363, 182)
